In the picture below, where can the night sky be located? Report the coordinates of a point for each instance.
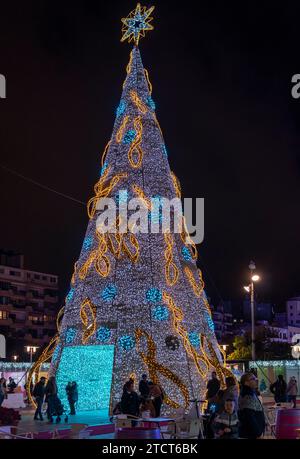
(221, 76)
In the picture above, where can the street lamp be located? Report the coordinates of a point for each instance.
(250, 289)
(15, 358)
(31, 350)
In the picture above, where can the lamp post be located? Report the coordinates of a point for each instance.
(250, 289)
(31, 350)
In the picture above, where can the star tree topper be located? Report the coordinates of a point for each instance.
(136, 24)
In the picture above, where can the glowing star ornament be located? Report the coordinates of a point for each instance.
(136, 24)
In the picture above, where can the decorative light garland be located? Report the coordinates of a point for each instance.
(176, 185)
(89, 326)
(198, 289)
(138, 102)
(135, 153)
(154, 367)
(171, 270)
(148, 81)
(120, 133)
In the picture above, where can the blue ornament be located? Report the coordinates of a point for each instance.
(155, 215)
(103, 334)
(154, 295)
(165, 151)
(151, 104)
(121, 108)
(56, 353)
(70, 335)
(210, 322)
(109, 293)
(194, 339)
(88, 242)
(104, 167)
(126, 342)
(129, 137)
(70, 295)
(122, 197)
(160, 312)
(186, 254)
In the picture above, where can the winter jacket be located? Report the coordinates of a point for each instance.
(278, 388)
(229, 421)
(39, 390)
(130, 403)
(292, 388)
(251, 414)
(144, 388)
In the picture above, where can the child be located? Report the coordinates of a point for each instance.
(226, 423)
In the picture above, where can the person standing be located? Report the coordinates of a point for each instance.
(3, 393)
(231, 392)
(250, 412)
(11, 386)
(130, 400)
(226, 423)
(292, 391)
(279, 388)
(144, 387)
(51, 395)
(156, 394)
(213, 387)
(72, 394)
(39, 394)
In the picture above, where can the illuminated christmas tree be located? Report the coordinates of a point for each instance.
(137, 302)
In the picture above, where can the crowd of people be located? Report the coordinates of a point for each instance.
(237, 411)
(6, 389)
(145, 404)
(48, 393)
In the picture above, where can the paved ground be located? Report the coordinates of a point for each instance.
(87, 417)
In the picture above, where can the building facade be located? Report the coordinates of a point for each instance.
(293, 311)
(28, 305)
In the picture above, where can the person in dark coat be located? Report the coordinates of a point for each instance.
(213, 387)
(279, 389)
(250, 413)
(39, 394)
(51, 396)
(11, 386)
(72, 395)
(144, 388)
(130, 403)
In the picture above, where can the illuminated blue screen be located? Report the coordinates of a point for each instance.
(91, 367)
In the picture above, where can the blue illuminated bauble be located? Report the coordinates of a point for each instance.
(194, 339)
(129, 137)
(56, 353)
(103, 334)
(151, 104)
(109, 293)
(154, 295)
(126, 342)
(165, 151)
(121, 108)
(70, 335)
(122, 197)
(104, 167)
(70, 295)
(210, 322)
(87, 243)
(160, 312)
(186, 254)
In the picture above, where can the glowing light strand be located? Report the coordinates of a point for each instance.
(121, 130)
(171, 270)
(135, 153)
(89, 325)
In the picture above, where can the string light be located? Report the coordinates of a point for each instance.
(154, 367)
(171, 270)
(146, 201)
(176, 185)
(148, 81)
(103, 159)
(88, 318)
(138, 102)
(198, 289)
(136, 24)
(122, 128)
(97, 257)
(73, 279)
(135, 153)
